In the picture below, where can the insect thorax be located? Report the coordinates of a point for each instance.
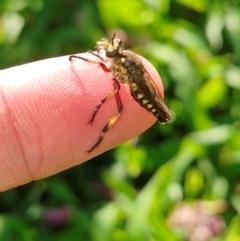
(125, 68)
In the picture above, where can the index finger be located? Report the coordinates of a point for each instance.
(45, 108)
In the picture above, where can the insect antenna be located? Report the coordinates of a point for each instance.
(113, 37)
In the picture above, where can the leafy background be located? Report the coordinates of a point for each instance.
(180, 181)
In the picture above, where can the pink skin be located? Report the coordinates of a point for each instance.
(45, 107)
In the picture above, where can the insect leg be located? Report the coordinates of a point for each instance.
(113, 120)
(104, 67)
(114, 93)
(96, 54)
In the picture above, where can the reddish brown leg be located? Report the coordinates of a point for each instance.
(113, 120)
(115, 93)
(101, 63)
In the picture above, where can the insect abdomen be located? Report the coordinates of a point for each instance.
(145, 103)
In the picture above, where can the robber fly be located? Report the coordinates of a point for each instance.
(126, 67)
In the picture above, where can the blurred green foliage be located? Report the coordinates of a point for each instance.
(130, 192)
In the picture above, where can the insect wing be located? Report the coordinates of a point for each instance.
(151, 91)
